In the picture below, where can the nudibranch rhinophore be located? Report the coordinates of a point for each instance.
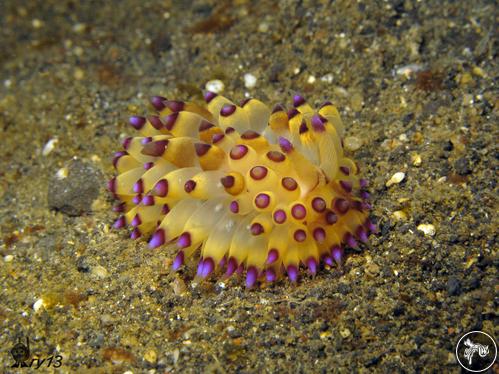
(256, 191)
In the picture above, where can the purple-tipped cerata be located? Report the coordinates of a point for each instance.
(157, 239)
(256, 193)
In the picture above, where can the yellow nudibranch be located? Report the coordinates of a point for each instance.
(254, 190)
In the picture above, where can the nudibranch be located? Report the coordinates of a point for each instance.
(256, 191)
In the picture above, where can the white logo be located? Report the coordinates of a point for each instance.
(483, 350)
(476, 351)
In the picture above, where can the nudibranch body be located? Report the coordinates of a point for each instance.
(254, 190)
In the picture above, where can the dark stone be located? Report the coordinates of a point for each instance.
(448, 146)
(82, 265)
(398, 310)
(74, 194)
(453, 286)
(462, 166)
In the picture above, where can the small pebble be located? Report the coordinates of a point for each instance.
(49, 146)
(8, 258)
(328, 78)
(37, 305)
(215, 85)
(62, 173)
(453, 286)
(249, 80)
(416, 160)
(263, 27)
(427, 228)
(371, 269)
(356, 102)
(151, 356)
(99, 271)
(395, 179)
(345, 333)
(399, 215)
(351, 143)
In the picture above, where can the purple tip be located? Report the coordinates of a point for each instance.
(231, 267)
(184, 240)
(148, 165)
(325, 103)
(272, 256)
(155, 149)
(222, 262)
(208, 96)
(138, 187)
(136, 221)
(189, 186)
(362, 235)
(262, 200)
(200, 267)
(337, 254)
(303, 127)
(300, 235)
(279, 216)
(161, 188)
(298, 100)
(155, 122)
(126, 142)
(346, 185)
(371, 226)
(364, 195)
(331, 217)
(363, 183)
(285, 145)
(135, 234)
(345, 170)
(175, 106)
(170, 120)
(350, 240)
(292, 113)
(120, 208)
(227, 110)
(251, 276)
(146, 140)
(179, 261)
(148, 200)
(256, 229)
(208, 267)
(341, 205)
(111, 185)
(157, 239)
(270, 275)
(137, 122)
(319, 235)
(217, 138)
(328, 260)
(137, 199)
(292, 271)
(120, 223)
(117, 156)
(312, 265)
(318, 123)
(158, 102)
(234, 207)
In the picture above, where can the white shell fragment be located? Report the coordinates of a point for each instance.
(215, 85)
(395, 179)
(49, 146)
(427, 228)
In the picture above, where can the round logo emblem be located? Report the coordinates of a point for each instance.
(476, 351)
